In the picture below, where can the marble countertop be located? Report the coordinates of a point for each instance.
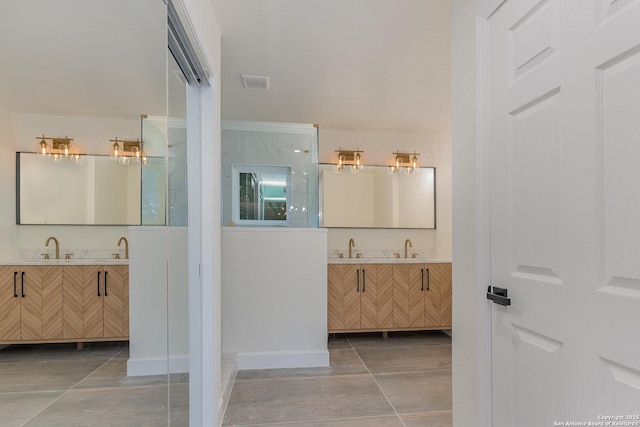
(387, 260)
(72, 261)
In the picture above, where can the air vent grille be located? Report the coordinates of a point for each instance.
(255, 82)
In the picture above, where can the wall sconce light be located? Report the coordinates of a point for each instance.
(131, 151)
(405, 161)
(60, 148)
(349, 158)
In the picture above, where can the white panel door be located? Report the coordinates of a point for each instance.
(563, 97)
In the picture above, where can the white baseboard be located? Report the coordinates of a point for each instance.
(283, 359)
(157, 366)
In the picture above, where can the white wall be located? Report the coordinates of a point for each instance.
(471, 368)
(275, 291)
(378, 146)
(158, 297)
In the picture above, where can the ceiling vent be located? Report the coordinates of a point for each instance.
(255, 82)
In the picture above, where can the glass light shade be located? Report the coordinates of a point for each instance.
(44, 149)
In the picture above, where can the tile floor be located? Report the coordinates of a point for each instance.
(403, 380)
(59, 385)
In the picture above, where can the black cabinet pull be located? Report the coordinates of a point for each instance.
(358, 280)
(428, 279)
(422, 279)
(363, 280)
(98, 283)
(22, 285)
(105, 284)
(15, 288)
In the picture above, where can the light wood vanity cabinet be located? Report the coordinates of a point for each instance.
(385, 297)
(359, 296)
(55, 303)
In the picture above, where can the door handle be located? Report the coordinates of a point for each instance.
(358, 280)
(498, 295)
(22, 285)
(15, 289)
(363, 280)
(98, 283)
(105, 284)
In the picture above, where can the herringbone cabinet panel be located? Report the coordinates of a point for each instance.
(335, 297)
(9, 303)
(384, 290)
(401, 296)
(72, 301)
(368, 297)
(114, 301)
(351, 288)
(416, 295)
(432, 295)
(52, 299)
(93, 313)
(445, 283)
(31, 303)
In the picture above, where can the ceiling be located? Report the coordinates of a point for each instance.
(356, 64)
(83, 57)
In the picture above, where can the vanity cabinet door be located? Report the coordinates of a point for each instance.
(335, 297)
(368, 296)
(351, 295)
(408, 296)
(9, 303)
(432, 291)
(52, 302)
(20, 303)
(441, 273)
(114, 301)
(72, 301)
(384, 294)
(106, 309)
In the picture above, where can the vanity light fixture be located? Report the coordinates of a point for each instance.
(131, 151)
(60, 147)
(349, 158)
(404, 161)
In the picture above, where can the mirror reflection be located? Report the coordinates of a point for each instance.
(373, 198)
(260, 194)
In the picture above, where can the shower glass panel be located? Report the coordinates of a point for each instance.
(264, 149)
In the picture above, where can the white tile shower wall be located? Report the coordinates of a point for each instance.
(275, 148)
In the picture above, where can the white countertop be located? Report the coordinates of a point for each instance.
(387, 260)
(72, 261)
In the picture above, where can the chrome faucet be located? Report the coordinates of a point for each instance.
(351, 245)
(126, 246)
(408, 241)
(57, 245)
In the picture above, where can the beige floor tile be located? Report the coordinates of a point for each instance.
(126, 406)
(406, 359)
(16, 408)
(179, 405)
(415, 392)
(338, 342)
(430, 419)
(44, 376)
(388, 421)
(342, 362)
(114, 374)
(305, 399)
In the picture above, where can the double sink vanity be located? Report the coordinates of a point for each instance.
(388, 293)
(45, 300)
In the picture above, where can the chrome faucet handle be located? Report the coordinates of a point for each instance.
(45, 256)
